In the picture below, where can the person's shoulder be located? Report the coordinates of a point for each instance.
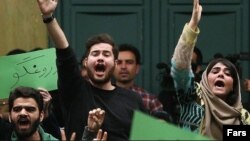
(127, 92)
(141, 91)
(6, 128)
(123, 90)
(138, 88)
(131, 98)
(50, 137)
(46, 136)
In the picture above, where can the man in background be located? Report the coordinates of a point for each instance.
(197, 60)
(126, 70)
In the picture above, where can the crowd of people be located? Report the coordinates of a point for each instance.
(94, 107)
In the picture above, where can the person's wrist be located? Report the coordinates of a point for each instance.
(193, 25)
(91, 130)
(47, 18)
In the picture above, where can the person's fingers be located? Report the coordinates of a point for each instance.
(195, 3)
(105, 136)
(200, 8)
(43, 89)
(99, 134)
(46, 96)
(95, 119)
(63, 136)
(73, 136)
(100, 113)
(197, 6)
(91, 113)
(44, 92)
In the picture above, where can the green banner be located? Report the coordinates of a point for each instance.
(145, 127)
(34, 69)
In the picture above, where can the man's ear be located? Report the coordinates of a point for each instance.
(116, 62)
(41, 116)
(84, 62)
(138, 68)
(9, 118)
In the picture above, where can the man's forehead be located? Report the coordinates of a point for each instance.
(101, 46)
(126, 55)
(100, 50)
(24, 101)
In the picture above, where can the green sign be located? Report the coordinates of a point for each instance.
(145, 127)
(34, 69)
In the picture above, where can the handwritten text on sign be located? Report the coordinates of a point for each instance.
(34, 69)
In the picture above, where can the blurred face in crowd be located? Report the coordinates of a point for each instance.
(196, 68)
(127, 67)
(100, 63)
(25, 116)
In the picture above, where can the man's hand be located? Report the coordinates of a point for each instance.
(95, 119)
(46, 95)
(47, 7)
(63, 136)
(46, 100)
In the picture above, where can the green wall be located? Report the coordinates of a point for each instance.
(154, 26)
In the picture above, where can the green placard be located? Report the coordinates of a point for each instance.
(34, 69)
(145, 127)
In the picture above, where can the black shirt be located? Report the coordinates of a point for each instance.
(79, 97)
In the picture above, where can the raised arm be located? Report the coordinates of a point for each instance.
(184, 48)
(47, 8)
(181, 60)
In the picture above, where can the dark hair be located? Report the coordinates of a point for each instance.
(26, 92)
(100, 38)
(16, 51)
(36, 49)
(199, 55)
(133, 49)
(232, 97)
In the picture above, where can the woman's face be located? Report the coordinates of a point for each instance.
(220, 80)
